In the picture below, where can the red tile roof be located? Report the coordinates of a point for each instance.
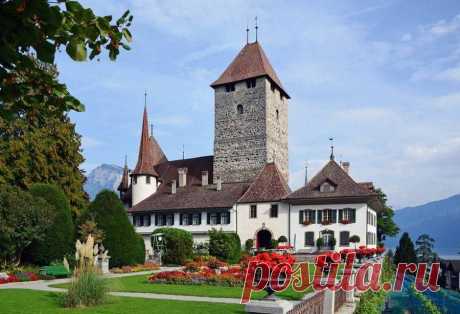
(251, 62)
(269, 185)
(124, 183)
(345, 187)
(150, 153)
(193, 195)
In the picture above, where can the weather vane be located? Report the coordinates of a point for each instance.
(331, 139)
(257, 27)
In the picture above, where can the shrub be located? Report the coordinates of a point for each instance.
(178, 245)
(124, 245)
(282, 239)
(319, 243)
(248, 245)
(226, 246)
(273, 244)
(215, 263)
(192, 267)
(59, 237)
(88, 289)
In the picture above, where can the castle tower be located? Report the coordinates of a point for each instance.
(251, 118)
(144, 178)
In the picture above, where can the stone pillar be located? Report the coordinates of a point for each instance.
(329, 302)
(268, 307)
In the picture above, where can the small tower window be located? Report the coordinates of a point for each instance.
(277, 114)
(230, 88)
(135, 179)
(273, 87)
(240, 109)
(251, 83)
(147, 179)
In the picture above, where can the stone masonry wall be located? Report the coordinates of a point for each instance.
(244, 143)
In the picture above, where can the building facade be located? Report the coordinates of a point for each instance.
(243, 187)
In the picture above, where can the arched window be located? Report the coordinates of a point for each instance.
(240, 109)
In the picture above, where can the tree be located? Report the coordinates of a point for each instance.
(43, 27)
(23, 220)
(178, 245)
(354, 239)
(282, 239)
(424, 250)
(385, 224)
(224, 245)
(39, 149)
(124, 245)
(90, 227)
(405, 252)
(58, 240)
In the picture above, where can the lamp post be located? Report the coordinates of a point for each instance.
(158, 244)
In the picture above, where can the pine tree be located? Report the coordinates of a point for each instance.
(124, 245)
(405, 252)
(424, 250)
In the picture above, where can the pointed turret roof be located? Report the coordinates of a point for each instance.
(124, 183)
(268, 186)
(251, 62)
(147, 154)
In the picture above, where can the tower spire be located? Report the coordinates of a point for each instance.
(257, 27)
(332, 157)
(145, 98)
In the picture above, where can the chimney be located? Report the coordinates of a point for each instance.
(173, 187)
(346, 166)
(219, 184)
(182, 177)
(204, 178)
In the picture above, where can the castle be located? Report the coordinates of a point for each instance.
(243, 186)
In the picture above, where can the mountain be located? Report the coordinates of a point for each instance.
(103, 177)
(439, 219)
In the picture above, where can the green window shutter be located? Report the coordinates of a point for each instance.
(301, 217)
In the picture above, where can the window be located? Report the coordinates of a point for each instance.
(225, 218)
(253, 212)
(277, 114)
(196, 220)
(147, 179)
(240, 109)
(344, 238)
(251, 83)
(146, 220)
(327, 216)
(309, 238)
(274, 211)
(347, 215)
(326, 187)
(213, 218)
(272, 87)
(230, 88)
(135, 179)
(307, 216)
(170, 219)
(186, 219)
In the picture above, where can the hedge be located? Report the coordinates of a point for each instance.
(178, 245)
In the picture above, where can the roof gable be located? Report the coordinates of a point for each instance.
(250, 62)
(269, 185)
(345, 186)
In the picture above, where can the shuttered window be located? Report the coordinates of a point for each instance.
(309, 238)
(274, 211)
(344, 238)
(253, 211)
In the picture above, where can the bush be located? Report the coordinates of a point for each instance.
(282, 239)
(59, 237)
(87, 289)
(319, 243)
(226, 246)
(124, 245)
(178, 245)
(248, 245)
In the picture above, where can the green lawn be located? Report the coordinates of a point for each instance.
(18, 301)
(140, 283)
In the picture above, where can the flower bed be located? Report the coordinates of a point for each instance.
(18, 277)
(148, 266)
(233, 277)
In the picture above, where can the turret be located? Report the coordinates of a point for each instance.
(144, 178)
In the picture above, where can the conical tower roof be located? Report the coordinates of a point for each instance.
(147, 157)
(124, 183)
(251, 62)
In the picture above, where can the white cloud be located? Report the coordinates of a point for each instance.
(434, 152)
(444, 27)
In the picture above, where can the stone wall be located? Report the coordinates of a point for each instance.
(245, 142)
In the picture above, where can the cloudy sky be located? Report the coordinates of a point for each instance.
(381, 77)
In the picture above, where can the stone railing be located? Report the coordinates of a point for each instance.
(339, 299)
(312, 303)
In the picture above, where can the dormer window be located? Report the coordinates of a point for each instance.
(230, 88)
(251, 83)
(326, 187)
(240, 109)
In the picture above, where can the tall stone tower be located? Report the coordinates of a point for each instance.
(251, 118)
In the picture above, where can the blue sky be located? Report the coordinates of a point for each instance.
(381, 77)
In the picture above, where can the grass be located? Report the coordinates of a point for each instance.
(139, 283)
(18, 301)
